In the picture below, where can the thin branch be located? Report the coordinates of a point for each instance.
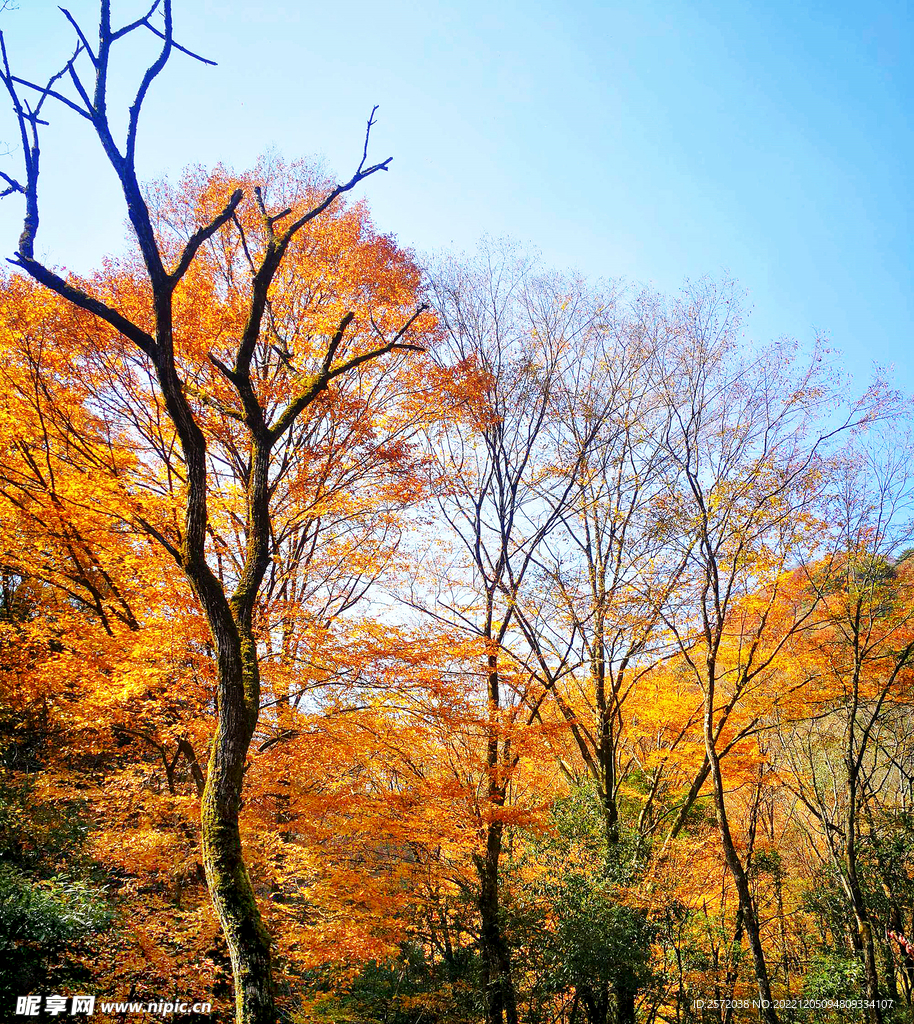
(150, 75)
(223, 369)
(135, 24)
(182, 49)
(161, 538)
(368, 127)
(79, 32)
(47, 91)
(203, 234)
(14, 185)
(320, 382)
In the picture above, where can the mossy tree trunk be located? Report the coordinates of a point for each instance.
(229, 613)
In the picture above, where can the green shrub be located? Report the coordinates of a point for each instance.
(40, 920)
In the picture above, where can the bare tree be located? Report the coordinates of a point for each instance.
(607, 567)
(748, 449)
(502, 498)
(849, 764)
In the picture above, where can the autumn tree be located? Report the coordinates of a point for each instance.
(593, 628)
(609, 572)
(843, 759)
(246, 381)
(88, 444)
(748, 447)
(500, 497)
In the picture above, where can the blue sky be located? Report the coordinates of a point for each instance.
(653, 141)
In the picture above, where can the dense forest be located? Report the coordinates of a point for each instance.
(414, 640)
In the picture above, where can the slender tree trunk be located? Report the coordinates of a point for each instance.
(782, 926)
(606, 748)
(891, 980)
(498, 986)
(686, 806)
(603, 1005)
(606, 756)
(733, 966)
(740, 879)
(874, 1011)
(864, 930)
(895, 923)
(607, 783)
(863, 933)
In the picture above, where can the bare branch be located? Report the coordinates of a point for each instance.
(276, 250)
(223, 369)
(150, 75)
(182, 49)
(368, 127)
(127, 29)
(79, 32)
(160, 538)
(359, 176)
(56, 283)
(78, 85)
(45, 91)
(9, 81)
(13, 185)
(328, 372)
(204, 233)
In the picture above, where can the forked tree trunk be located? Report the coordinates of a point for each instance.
(237, 699)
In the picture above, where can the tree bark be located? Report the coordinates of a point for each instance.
(229, 884)
(863, 926)
(498, 986)
(740, 879)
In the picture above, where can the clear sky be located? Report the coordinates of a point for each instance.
(653, 141)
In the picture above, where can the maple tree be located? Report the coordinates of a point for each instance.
(229, 394)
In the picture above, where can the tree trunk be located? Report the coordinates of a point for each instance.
(874, 1012)
(498, 987)
(863, 941)
(864, 932)
(226, 875)
(741, 881)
